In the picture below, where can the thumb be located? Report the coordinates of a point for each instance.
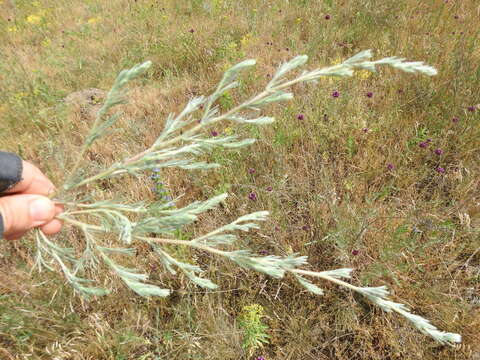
(21, 213)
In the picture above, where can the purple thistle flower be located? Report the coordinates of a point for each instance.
(252, 196)
(191, 31)
(429, 140)
(305, 227)
(263, 252)
(365, 130)
(423, 144)
(214, 133)
(438, 151)
(369, 94)
(455, 119)
(327, 17)
(269, 188)
(471, 108)
(440, 170)
(335, 94)
(300, 116)
(251, 171)
(355, 252)
(390, 166)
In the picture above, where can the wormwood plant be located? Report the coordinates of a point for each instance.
(157, 224)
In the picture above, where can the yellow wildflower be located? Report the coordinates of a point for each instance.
(228, 130)
(252, 312)
(364, 74)
(337, 61)
(226, 66)
(20, 95)
(288, 249)
(348, 185)
(245, 39)
(34, 19)
(94, 20)
(46, 42)
(12, 29)
(298, 20)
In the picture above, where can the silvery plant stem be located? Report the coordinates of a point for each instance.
(158, 223)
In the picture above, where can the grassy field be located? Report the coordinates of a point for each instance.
(383, 178)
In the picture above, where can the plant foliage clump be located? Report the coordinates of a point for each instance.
(181, 141)
(254, 329)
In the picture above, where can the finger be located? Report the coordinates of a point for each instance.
(24, 212)
(16, 236)
(55, 225)
(33, 182)
(52, 227)
(59, 209)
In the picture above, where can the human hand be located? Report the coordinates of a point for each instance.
(25, 205)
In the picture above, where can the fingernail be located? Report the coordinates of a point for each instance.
(41, 210)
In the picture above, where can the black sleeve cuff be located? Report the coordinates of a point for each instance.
(11, 168)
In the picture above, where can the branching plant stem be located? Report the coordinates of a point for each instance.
(158, 223)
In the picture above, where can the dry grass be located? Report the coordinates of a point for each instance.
(415, 230)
